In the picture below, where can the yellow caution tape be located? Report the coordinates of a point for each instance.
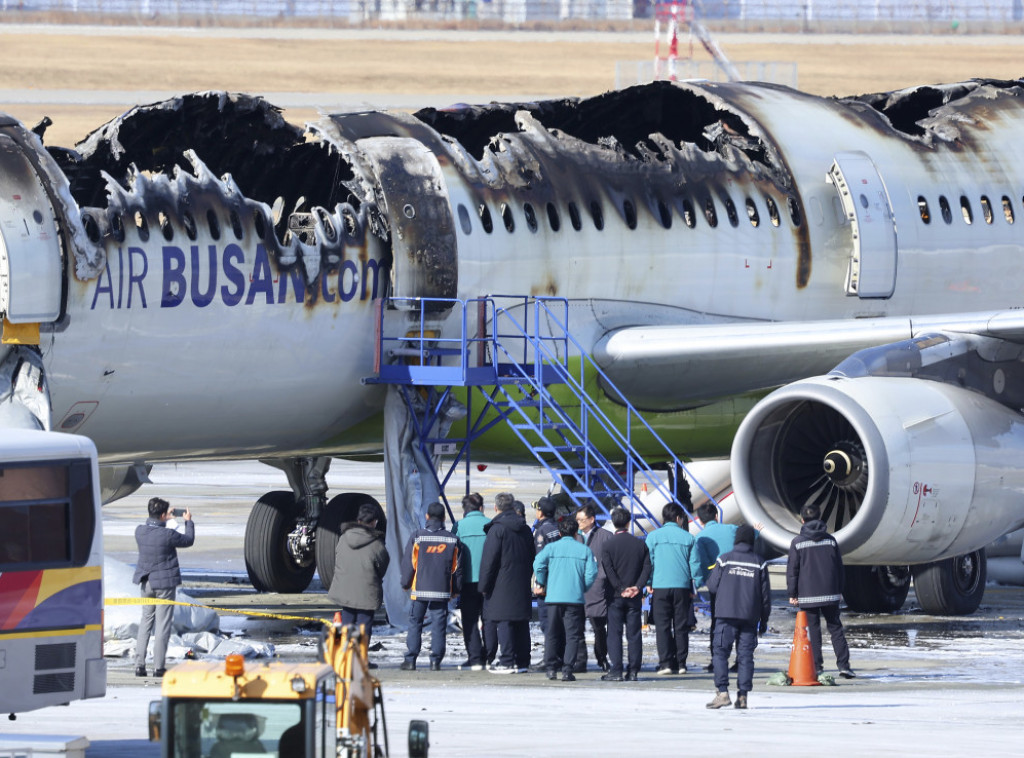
(235, 611)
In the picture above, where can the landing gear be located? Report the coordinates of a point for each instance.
(278, 548)
(876, 589)
(292, 534)
(340, 510)
(952, 587)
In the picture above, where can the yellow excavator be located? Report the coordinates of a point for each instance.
(229, 709)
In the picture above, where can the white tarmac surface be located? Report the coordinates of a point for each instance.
(926, 687)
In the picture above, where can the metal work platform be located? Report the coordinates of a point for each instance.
(518, 355)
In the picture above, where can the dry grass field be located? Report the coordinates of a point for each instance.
(465, 70)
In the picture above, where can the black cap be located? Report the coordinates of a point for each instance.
(546, 506)
(745, 533)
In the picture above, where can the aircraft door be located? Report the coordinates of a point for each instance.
(413, 194)
(872, 270)
(30, 251)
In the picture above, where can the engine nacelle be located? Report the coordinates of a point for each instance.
(905, 470)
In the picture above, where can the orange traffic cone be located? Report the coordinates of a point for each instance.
(801, 659)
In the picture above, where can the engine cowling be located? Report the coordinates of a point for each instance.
(905, 470)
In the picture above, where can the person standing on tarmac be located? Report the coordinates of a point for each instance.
(627, 568)
(158, 576)
(676, 566)
(814, 578)
(360, 562)
(545, 531)
(713, 540)
(506, 569)
(471, 534)
(565, 569)
(740, 580)
(432, 571)
(596, 606)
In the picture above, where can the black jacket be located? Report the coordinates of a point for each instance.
(506, 568)
(626, 563)
(814, 573)
(158, 553)
(360, 561)
(431, 563)
(739, 582)
(545, 531)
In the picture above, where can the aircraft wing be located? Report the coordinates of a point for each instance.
(674, 367)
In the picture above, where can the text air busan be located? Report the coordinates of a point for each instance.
(204, 274)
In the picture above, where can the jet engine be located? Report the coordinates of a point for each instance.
(905, 471)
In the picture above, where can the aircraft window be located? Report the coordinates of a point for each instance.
(259, 222)
(710, 213)
(665, 214)
(597, 215)
(330, 233)
(688, 213)
(531, 217)
(574, 217)
(485, 217)
(965, 209)
(730, 210)
(165, 226)
(117, 226)
(189, 222)
(922, 208)
(464, 222)
(142, 226)
(947, 214)
(352, 223)
(1007, 210)
(755, 219)
(506, 217)
(211, 219)
(630, 212)
(773, 210)
(794, 211)
(236, 224)
(92, 229)
(553, 221)
(986, 209)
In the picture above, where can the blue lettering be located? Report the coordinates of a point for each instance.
(325, 286)
(298, 285)
(348, 291)
(100, 287)
(368, 266)
(261, 280)
(203, 299)
(232, 254)
(174, 280)
(134, 278)
(120, 276)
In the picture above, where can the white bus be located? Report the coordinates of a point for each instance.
(51, 563)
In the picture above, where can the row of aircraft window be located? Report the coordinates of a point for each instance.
(966, 210)
(707, 207)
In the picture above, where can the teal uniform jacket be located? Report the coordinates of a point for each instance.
(566, 569)
(470, 531)
(674, 555)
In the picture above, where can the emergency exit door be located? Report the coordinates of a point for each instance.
(873, 257)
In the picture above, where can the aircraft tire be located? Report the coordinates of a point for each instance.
(952, 587)
(876, 589)
(340, 510)
(270, 566)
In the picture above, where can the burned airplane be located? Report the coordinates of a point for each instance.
(197, 280)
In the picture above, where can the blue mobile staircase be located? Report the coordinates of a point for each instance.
(519, 353)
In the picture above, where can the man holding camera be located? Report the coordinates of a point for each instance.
(158, 576)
